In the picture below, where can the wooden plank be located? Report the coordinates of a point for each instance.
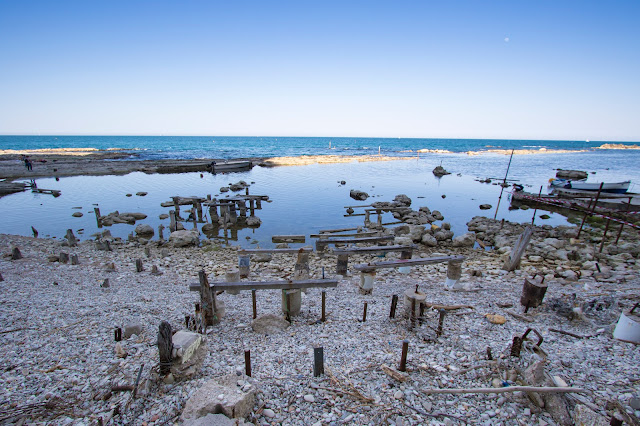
(352, 215)
(355, 240)
(408, 262)
(357, 234)
(373, 249)
(331, 231)
(288, 238)
(285, 250)
(356, 207)
(268, 285)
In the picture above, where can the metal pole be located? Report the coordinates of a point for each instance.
(324, 297)
(502, 186)
(247, 362)
(619, 232)
(318, 361)
(604, 235)
(536, 209)
(403, 358)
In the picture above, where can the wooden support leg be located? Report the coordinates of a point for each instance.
(207, 300)
(343, 264)
(454, 272)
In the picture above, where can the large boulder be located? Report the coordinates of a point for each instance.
(571, 174)
(402, 200)
(358, 195)
(144, 230)
(466, 240)
(437, 215)
(443, 235)
(184, 238)
(429, 240)
(225, 394)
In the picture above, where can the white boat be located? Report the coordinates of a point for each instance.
(614, 187)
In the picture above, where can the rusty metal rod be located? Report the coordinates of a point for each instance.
(324, 298)
(403, 357)
(364, 313)
(394, 304)
(247, 362)
(604, 235)
(253, 300)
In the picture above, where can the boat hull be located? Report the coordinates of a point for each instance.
(613, 187)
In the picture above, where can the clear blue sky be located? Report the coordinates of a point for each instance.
(459, 69)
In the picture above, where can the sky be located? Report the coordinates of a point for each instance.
(519, 69)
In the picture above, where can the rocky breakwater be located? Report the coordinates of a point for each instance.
(63, 366)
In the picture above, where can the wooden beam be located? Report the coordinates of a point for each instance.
(331, 231)
(355, 240)
(408, 262)
(357, 234)
(374, 249)
(288, 238)
(284, 250)
(268, 285)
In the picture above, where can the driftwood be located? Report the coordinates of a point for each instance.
(513, 262)
(508, 389)
(165, 347)
(396, 375)
(520, 317)
(446, 307)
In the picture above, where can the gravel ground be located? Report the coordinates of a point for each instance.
(59, 359)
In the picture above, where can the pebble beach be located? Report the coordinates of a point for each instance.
(62, 364)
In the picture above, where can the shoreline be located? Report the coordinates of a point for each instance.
(65, 162)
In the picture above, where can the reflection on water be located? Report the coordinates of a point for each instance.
(303, 199)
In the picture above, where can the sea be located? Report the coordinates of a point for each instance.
(306, 199)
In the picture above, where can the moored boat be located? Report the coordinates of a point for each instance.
(613, 187)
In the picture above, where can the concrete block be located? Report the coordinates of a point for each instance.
(185, 344)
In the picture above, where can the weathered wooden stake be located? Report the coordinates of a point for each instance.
(324, 298)
(172, 219)
(440, 322)
(198, 210)
(364, 313)
(403, 357)
(74, 259)
(160, 235)
(35, 232)
(207, 300)
(247, 362)
(318, 361)
(139, 267)
(513, 262)
(301, 268)
(604, 235)
(343, 264)
(619, 232)
(15, 254)
(532, 294)
(253, 301)
(165, 347)
(98, 221)
(117, 334)
(71, 238)
(147, 252)
(394, 304)
(64, 257)
(244, 265)
(1, 278)
(105, 283)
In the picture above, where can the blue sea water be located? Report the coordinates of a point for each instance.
(155, 147)
(306, 199)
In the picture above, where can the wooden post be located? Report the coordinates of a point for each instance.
(233, 214)
(176, 206)
(301, 268)
(394, 304)
(242, 206)
(1, 278)
(406, 254)
(97, 212)
(258, 204)
(165, 347)
(213, 211)
(244, 265)
(318, 361)
(343, 264)
(532, 294)
(160, 235)
(207, 300)
(15, 254)
(619, 232)
(64, 257)
(247, 363)
(71, 238)
(252, 211)
(324, 298)
(74, 259)
(35, 232)
(379, 212)
(198, 205)
(513, 262)
(139, 267)
(193, 215)
(105, 283)
(172, 223)
(253, 301)
(604, 235)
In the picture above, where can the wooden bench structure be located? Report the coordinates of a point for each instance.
(322, 243)
(343, 254)
(208, 299)
(368, 270)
